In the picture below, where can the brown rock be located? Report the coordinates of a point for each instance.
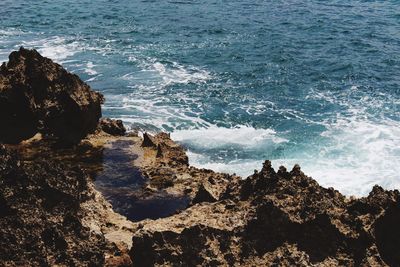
(159, 151)
(147, 141)
(40, 215)
(173, 154)
(113, 127)
(203, 195)
(38, 95)
(272, 219)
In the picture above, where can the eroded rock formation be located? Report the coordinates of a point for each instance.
(113, 127)
(38, 95)
(40, 214)
(282, 218)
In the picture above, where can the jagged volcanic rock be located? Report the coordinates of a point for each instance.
(203, 195)
(40, 215)
(147, 141)
(113, 127)
(276, 218)
(38, 95)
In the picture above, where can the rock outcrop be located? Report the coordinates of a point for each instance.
(113, 127)
(38, 95)
(50, 212)
(147, 141)
(276, 218)
(270, 218)
(40, 215)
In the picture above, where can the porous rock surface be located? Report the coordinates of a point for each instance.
(167, 167)
(40, 215)
(38, 95)
(271, 218)
(276, 218)
(113, 127)
(51, 214)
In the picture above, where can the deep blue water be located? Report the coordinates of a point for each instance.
(309, 82)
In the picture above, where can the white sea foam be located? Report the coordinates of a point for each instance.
(8, 38)
(216, 137)
(213, 138)
(90, 69)
(242, 168)
(363, 147)
(149, 105)
(179, 74)
(57, 48)
(360, 154)
(166, 73)
(10, 32)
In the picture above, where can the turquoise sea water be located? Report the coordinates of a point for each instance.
(309, 82)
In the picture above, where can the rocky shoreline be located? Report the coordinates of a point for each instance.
(77, 190)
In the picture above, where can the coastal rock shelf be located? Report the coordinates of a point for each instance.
(98, 196)
(282, 218)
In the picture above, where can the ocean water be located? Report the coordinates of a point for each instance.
(236, 82)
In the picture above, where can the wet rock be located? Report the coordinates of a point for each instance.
(38, 95)
(113, 127)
